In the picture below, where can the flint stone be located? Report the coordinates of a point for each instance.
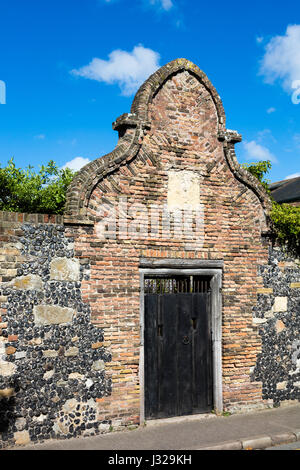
(76, 376)
(20, 424)
(98, 365)
(73, 351)
(48, 375)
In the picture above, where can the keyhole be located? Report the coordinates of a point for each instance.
(159, 330)
(194, 322)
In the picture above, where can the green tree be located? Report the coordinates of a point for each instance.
(285, 218)
(25, 190)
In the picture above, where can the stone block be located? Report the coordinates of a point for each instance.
(73, 351)
(48, 375)
(76, 376)
(31, 281)
(21, 438)
(265, 290)
(281, 385)
(50, 353)
(64, 269)
(259, 321)
(257, 443)
(7, 369)
(52, 315)
(280, 326)
(280, 304)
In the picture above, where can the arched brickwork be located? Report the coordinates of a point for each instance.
(132, 129)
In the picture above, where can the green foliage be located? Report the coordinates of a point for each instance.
(285, 218)
(259, 170)
(286, 224)
(34, 192)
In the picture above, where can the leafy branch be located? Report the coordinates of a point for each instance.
(25, 190)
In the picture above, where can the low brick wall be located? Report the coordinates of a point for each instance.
(52, 359)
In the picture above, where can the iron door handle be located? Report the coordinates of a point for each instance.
(185, 340)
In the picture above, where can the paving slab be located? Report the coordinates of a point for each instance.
(260, 429)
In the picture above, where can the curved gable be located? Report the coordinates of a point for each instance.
(146, 117)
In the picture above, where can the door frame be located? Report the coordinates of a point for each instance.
(213, 268)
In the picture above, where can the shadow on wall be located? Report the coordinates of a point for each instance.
(7, 408)
(7, 415)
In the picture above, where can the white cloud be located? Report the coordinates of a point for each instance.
(255, 151)
(294, 175)
(128, 69)
(40, 136)
(296, 139)
(76, 163)
(164, 4)
(259, 39)
(271, 110)
(282, 58)
(265, 136)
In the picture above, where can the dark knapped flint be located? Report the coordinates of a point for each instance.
(38, 396)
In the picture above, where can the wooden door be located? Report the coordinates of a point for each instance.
(178, 356)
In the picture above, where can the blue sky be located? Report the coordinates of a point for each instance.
(71, 67)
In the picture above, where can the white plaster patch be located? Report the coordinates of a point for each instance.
(183, 190)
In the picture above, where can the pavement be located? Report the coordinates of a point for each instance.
(249, 431)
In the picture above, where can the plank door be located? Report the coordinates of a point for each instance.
(178, 355)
